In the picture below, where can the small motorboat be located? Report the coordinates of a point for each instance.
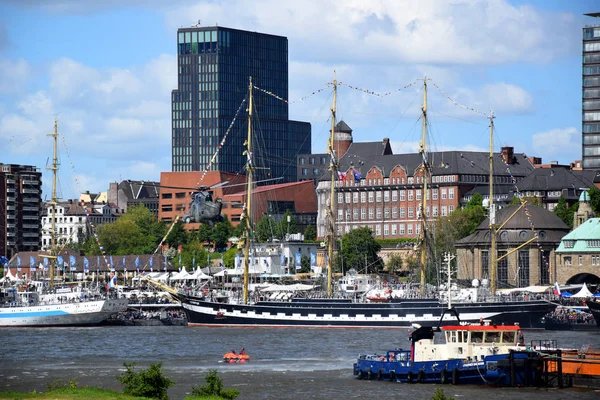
(232, 357)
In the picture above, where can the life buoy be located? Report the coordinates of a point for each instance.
(443, 377)
(392, 376)
(454, 376)
(421, 376)
(410, 377)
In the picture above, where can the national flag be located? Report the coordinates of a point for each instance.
(357, 177)
(298, 261)
(112, 283)
(341, 175)
(556, 289)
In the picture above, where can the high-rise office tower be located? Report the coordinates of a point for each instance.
(214, 67)
(20, 209)
(591, 96)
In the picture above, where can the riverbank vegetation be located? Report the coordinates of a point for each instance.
(146, 384)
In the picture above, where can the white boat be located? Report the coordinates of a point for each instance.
(47, 303)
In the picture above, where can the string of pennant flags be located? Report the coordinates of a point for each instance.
(88, 217)
(371, 92)
(221, 144)
(528, 215)
(294, 101)
(457, 103)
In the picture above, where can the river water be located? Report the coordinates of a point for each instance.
(286, 363)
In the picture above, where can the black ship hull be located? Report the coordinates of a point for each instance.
(594, 307)
(399, 314)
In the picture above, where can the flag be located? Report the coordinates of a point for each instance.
(341, 175)
(298, 261)
(237, 261)
(18, 263)
(3, 260)
(59, 261)
(151, 263)
(282, 259)
(112, 265)
(313, 259)
(137, 262)
(73, 263)
(86, 265)
(556, 289)
(123, 262)
(357, 177)
(112, 283)
(32, 267)
(45, 263)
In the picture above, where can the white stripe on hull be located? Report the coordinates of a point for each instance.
(327, 319)
(83, 313)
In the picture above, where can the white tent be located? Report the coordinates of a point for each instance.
(283, 288)
(583, 292)
(181, 275)
(10, 278)
(199, 275)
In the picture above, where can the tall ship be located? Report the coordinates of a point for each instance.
(330, 311)
(49, 302)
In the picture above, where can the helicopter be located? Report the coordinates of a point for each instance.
(203, 208)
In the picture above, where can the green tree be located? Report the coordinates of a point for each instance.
(204, 233)
(135, 232)
(564, 212)
(440, 395)
(221, 233)
(310, 233)
(178, 235)
(394, 263)
(360, 251)
(285, 227)
(214, 387)
(146, 383)
(594, 194)
(229, 257)
(194, 253)
(266, 229)
(304, 264)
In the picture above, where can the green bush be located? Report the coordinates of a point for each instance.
(214, 387)
(146, 383)
(61, 384)
(439, 395)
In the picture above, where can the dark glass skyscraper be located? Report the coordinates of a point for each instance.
(214, 67)
(591, 96)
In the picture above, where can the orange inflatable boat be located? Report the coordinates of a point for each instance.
(232, 357)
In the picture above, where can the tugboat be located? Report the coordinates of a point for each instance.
(472, 354)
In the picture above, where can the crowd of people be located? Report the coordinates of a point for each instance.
(570, 315)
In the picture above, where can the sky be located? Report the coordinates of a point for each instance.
(105, 70)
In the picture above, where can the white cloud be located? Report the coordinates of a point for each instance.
(14, 75)
(558, 144)
(398, 31)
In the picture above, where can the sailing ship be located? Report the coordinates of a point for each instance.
(44, 303)
(337, 312)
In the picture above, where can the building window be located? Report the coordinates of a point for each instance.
(355, 214)
(410, 212)
(544, 269)
(302, 161)
(386, 230)
(394, 195)
(502, 268)
(395, 212)
(394, 231)
(451, 193)
(580, 259)
(347, 198)
(355, 197)
(569, 244)
(386, 195)
(435, 194)
(371, 213)
(378, 196)
(167, 195)
(485, 264)
(401, 228)
(410, 229)
(363, 197)
(410, 195)
(443, 193)
(523, 268)
(377, 230)
(450, 209)
(402, 195)
(418, 194)
(567, 260)
(180, 195)
(371, 197)
(402, 212)
(443, 211)
(590, 243)
(363, 213)
(378, 213)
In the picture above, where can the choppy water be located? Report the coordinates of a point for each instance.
(286, 363)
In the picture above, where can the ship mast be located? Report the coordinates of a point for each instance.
(492, 216)
(247, 208)
(425, 167)
(333, 166)
(53, 203)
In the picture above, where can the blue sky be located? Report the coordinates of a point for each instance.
(106, 69)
